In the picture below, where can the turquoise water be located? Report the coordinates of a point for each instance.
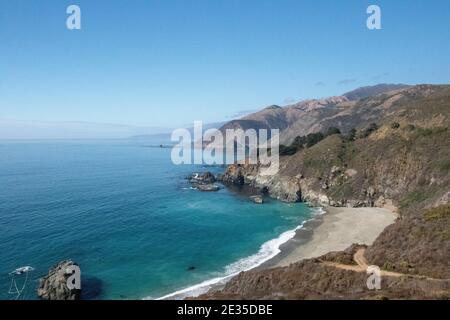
(126, 214)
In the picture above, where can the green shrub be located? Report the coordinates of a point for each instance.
(369, 130)
(395, 125)
(441, 212)
(332, 130)
(414, 197)
(314, 138)
(351, 135)
(307, 141)
(287, 150)
(426, 132)
(445, 165)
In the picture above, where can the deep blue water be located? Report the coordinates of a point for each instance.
(127, 216)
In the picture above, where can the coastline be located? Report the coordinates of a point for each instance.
(336, 230)
(329, 229)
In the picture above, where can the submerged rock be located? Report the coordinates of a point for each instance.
(54, 285)
(208, 187)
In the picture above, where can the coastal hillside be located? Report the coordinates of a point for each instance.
(317, 114)
(369, 91)
(394, 153)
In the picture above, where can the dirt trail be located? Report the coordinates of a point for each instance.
(362, 266)
(360, 259)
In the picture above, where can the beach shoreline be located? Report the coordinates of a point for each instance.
(330, 229)
(335, 230)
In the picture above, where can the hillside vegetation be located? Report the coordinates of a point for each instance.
(391, 150)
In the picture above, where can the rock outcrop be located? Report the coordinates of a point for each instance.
(211, 187)
(204, 181)
(54, 285)
(202, 178)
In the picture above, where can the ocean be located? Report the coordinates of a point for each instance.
(129, 218)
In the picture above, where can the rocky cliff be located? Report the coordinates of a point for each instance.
(402, 162)
(408, 150)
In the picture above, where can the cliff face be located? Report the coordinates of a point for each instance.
(380, 170)
(403, 164)
(408, 151)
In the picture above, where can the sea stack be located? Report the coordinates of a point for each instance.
(204, 181)
(54, 285)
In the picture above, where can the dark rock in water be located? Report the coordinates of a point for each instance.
(191, 268)
(205, 178)
(207, 187)
(204, 181)
(54, 285)
(257, 199)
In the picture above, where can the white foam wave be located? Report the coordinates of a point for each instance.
(266, 252)
(318, 211)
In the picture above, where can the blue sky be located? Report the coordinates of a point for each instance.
(165, 63)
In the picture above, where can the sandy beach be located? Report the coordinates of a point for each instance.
(335, 230)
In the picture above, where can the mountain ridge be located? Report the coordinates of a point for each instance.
(368, 91)
(304, 117)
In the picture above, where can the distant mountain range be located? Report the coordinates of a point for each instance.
(13, 129)
(308, 116)
(165, 137)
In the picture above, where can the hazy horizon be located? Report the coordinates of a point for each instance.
(73, 130)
